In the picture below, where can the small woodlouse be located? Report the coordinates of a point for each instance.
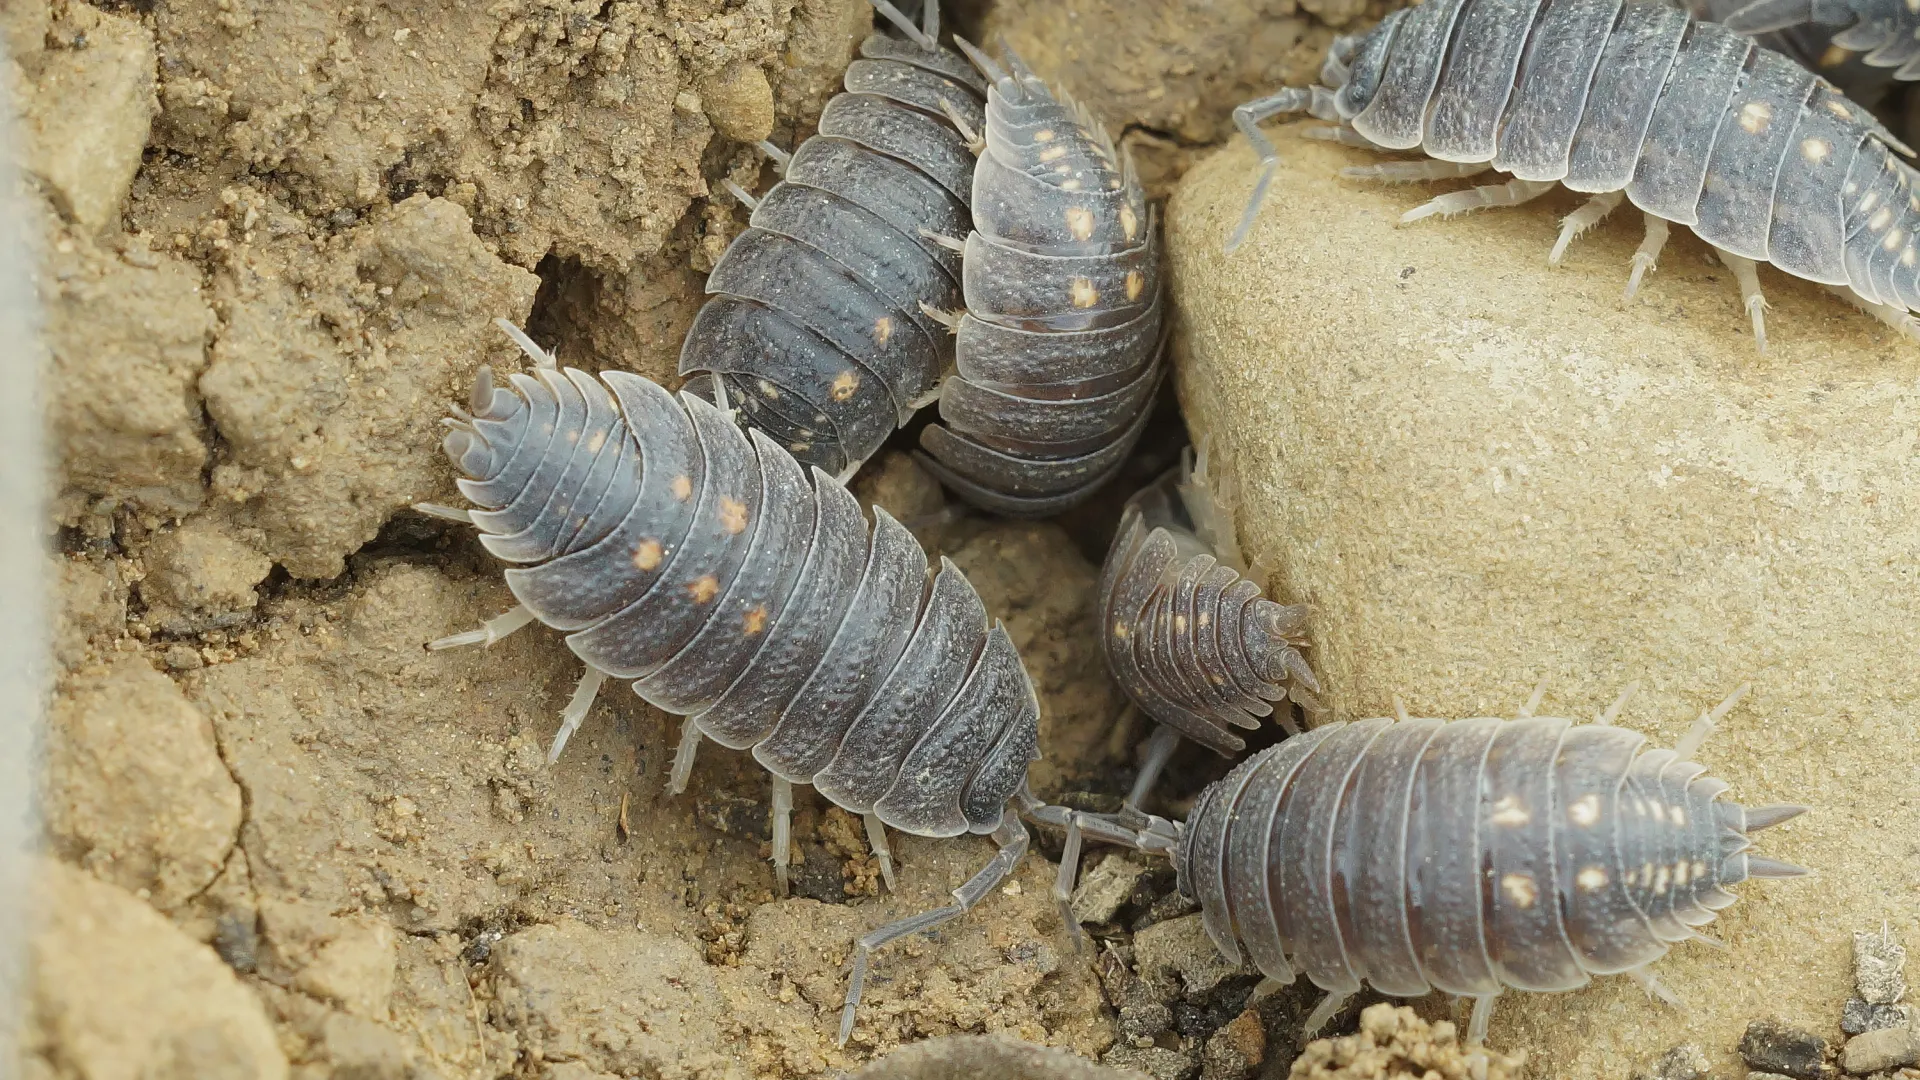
(1058, 350)
(819, 321)
(1627, 99)
(699, 562)
(1471, 856)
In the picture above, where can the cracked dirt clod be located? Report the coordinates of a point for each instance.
(1395, 1042)
(136, 791)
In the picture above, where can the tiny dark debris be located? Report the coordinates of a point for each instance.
(237, 941)
(1770, 1046)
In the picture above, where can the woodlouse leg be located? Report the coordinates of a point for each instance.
(1247, 117)
(541, 358)
(1012, 838)
(976, 142)
(1654, 987)
(877, 840)
(782, 811)
(780, 157)
(490, 631)
(1533, 700)
(683, 757)
(1512, 193)
(1482, 1016)
(1414, 172)
(449, 513)
(948, 319)
(1322, 1013)
(1591, 213)
(1647, 256)
(948, 242)
(926, 36)
(1613, 711)
(1898, 318)
(740, 193)
(1399, 709)
(1063, 881)
(1345, 136)
(1690, 743)
(1160, 748)
(576, 710)
(1745, 272)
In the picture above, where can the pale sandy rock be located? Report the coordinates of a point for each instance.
(970, 1057)
(91, 603)
(1102, 890)
(23, 24)
(135, 789)
(821, 40)
(618, 1001)
(203, 566)
(353, 969)
(332, 411)
(1482, 473)
(738, 101)
(120, 994)
(1395, 1043)
(1179, 953)
(1881, 1050)
(87, 123)
(128, 336)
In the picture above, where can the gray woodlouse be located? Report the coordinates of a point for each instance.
(818, 322)
(1471, 856)
(1691, 122)
(697, 561)
(1058, 350)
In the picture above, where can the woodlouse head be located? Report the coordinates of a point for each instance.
(1369, 63)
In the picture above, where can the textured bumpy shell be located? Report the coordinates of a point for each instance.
(816, 322)
(1694, 122)
(1466, 856)
(1192, 642)
(1862, 45)
(1058, 352)
(701, 563)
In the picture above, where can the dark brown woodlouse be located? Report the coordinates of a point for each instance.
(1627, 100)
(824, 319)
(700, 562)
(1470, 856)
(1058, 350)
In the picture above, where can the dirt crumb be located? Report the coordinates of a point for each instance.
(1394, 1043)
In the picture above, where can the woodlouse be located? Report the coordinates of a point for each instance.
(699, 562)
(1472, 856)
(1058, 350)
(1627, 99)
(819, 321)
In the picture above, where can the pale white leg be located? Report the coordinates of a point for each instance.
(1267, 987)
(1654, 987)
(948, 319)
(576, 710)
(1613, 711)
(1533, 700)
(1703, 727)
(1063, 882)
(1317, 100)
(450, 513)
(1592, 213)
(782, 832)
(541, 358)
(975, 142)
(1459, 202)
(1748, 277)
(877, 840)
(490, 631)
(740, 193)
(1482, 1016)
(683, 757)
(1345, 136)
(945, 241)
(1399, 709)
(1414, 172)
(780, 157)
(1898, 318)
(1322, 1013)
(1647, 256)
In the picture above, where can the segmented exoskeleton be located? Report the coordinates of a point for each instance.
(1472, 856)
(1691, 122)
(1809, 42)
(1886, 32)
(1059, 346)
(818, 324)
(702, 564)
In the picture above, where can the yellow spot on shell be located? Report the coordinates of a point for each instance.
(1679, 875)
(1591, 878)
(755, 620)
(1906, 257)
(1894, 239)
(1509, 811)
(1043, 135)
(594, 444)
(1699, 870)
(1520, 889)
(1585, 810)
(1834, 56)
(733, 516)
(1660, 881)
(703, 589)
(844, 384)
(1120, 630)
(1080, 222)
(1679, 815)
(647, 554)
(682, 487)
(882, 329)
(1838, 107)
(1881, 218)
(1816, 150)
(1659, 812)
(1083, 293)
(1755, 116)
(1179, 624)
(769, 391)
(1129, 221)
(1070, 185)
(1053, 153)
(1136, 284)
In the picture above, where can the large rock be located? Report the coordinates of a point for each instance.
(87, 123)
(1482, 474)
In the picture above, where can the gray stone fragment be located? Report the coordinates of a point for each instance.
(1156, 1061)
(1879, 963)
(1771, 1046)
(1145, 1021)
(1105, 888)
(1180, 947)
(1881, 1050)
(1684, 1062)
(1857, 1016)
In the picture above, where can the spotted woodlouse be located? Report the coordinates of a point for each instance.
(1058, 350)
(699, 562)
(1471, 856)
(818, 322)
(1626, 99)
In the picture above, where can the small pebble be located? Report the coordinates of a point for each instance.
(1770, 1046)
(1105, 888)
(1879, 1051)
(1236, 1050)
(1857, 1016)
(1156, 1061)
(1879, 963)
(1395, 1042)
(1145, 1021)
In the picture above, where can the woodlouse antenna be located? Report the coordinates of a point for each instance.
(980, 60)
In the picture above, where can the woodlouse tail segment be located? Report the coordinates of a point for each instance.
(541, 358)
(981, 60)
(1759, 866)
(1766, 817)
